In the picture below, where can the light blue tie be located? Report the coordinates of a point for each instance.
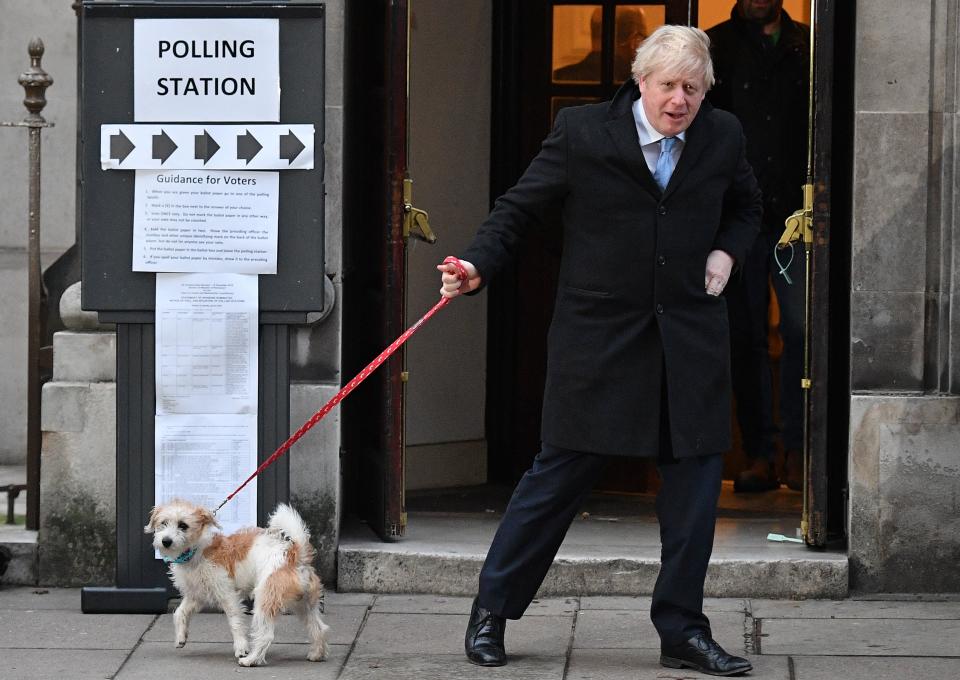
(664, 162)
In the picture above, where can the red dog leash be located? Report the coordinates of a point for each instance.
(350, 386)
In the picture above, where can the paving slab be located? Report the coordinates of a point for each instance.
(886, 668)
(433, 634)
(626, 629)
(440, 604)
(421, 604)
(449, 666)
(215, 661)
(853, 609)
(644, 664)
(344, 623)
(32, 598)
(860, 637)
(334, 599)
(47, 629)
(710, 604)
(69, 664)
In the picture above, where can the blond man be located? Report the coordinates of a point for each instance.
(659, 204)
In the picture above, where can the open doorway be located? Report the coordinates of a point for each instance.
(571, 54)
(472, 411)
(547, 55)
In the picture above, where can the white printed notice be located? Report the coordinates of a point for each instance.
(205, 221)
(202, 458)
(206, 343)
(206, 69)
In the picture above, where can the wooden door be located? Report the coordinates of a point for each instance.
(375, 165)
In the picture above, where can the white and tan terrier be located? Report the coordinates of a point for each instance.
(273, 566)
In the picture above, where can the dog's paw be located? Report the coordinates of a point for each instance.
(241, 651)
(180, 643)
(251, 661)
(317, 655)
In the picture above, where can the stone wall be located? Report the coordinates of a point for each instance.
(905, 493)
(904, 460)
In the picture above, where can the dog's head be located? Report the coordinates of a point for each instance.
(179, 526)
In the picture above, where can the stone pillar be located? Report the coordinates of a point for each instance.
(315, 477)
(905, 418)
(78, 482)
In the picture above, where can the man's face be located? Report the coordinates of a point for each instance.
(761, 11)
(671, 101)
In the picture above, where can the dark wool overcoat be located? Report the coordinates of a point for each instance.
(631, 310)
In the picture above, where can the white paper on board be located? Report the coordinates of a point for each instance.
(201, 458)
(205, 221)
(195, 70)
(153, 146)
(206, 343)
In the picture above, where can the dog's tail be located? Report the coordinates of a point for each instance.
(288, 522)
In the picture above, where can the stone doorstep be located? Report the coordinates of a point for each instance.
(23, 568)
(364, 568)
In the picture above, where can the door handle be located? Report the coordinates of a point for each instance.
(799, 226)
(416, 222)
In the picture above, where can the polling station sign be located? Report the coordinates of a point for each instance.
(226, 69)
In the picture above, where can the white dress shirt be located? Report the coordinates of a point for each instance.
(650, 138)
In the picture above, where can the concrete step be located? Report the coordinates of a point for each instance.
(18, 551)
(442, 554)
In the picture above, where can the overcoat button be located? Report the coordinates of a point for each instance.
(661, 260)
(659, 309)
(663, 210)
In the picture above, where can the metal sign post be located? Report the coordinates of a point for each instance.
(35, 82)
(119, 139)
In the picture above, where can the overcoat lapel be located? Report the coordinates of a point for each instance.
(623, 129)
(697, 139)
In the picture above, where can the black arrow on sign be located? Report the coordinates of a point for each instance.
(290, 147)
(247, 147)
(120, 146)
(163, 147)
(204, 147)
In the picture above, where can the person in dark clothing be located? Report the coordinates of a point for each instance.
(658, 202)
(631, 29)
(761, 59)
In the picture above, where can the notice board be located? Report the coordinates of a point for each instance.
(106, 197)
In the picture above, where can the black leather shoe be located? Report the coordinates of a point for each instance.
(760, 476)
(484, 639)
(702, 653)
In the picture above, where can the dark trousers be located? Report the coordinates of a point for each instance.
(748, 301)
(544, 504)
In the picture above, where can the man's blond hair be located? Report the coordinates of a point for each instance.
(677, 50)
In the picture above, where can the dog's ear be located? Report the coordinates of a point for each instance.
(152, 522)
(207, 518)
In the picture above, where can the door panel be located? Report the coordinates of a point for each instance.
(375, 158)
(826, 453)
